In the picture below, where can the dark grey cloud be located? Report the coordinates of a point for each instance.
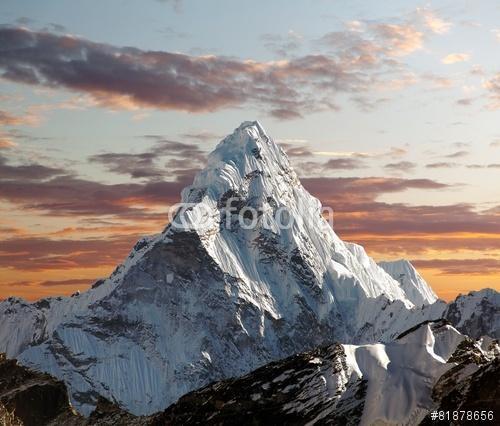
(401, 166)
(483, 166)
(142, 165)
(64, 254)
(344, 164)
(59, 192)
(441, 165)
(71, 281)
(121, 77)
(467, 267)
(148, 164)
(27, 172)
(293, 150)
(202, 136)
(458, 154)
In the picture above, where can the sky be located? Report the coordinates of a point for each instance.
(389, 112)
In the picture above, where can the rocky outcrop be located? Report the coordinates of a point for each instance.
(31, 398)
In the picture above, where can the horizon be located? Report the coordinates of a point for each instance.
(388, 114)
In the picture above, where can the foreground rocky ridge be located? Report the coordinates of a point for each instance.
(430, 367)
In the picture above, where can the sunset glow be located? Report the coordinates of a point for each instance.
(389, 113)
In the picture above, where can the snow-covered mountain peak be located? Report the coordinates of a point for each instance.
(248, 171)
(412, 283)
(254, 274)
(245, 154)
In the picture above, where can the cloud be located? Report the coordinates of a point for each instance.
(128, 78)
(400, 40)
(433, 22)
(457, 154)
(360, 217)
(42, 254)
(367, 105)
(496, 33)
(425, 244)
(483, 166)
(285, 114)
(70, 196)
(377, 43)
(27, 172)
(283, 46)
(401, 166)
(493, 87)
(58, 28)
(145, 164)
(461, 266)
(396, 152)
(296, 150)
(344, 164)
(6, 142)
(343, 154)
(202, 136)
(349, 190)
(441, 165)
(140, 165)
(8, 119)
(71, 281)
(465, 101)
(438, 81)
(453, 58)
(57, 192)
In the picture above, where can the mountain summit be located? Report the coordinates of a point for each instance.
(247, 272)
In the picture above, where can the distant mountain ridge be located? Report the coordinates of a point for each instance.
(224, 289)
(412, 283)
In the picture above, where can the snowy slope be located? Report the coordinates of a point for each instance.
(412, 283)
(214, 298)
(429, 367)
(394, 383)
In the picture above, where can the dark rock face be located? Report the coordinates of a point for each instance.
(32, 398)
(287, 392)
(477, 392)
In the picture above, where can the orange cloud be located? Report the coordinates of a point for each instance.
(400, 40)
(453, 58)
(433, 22)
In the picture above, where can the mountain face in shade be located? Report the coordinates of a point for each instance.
(412, 283)
(248, 272)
